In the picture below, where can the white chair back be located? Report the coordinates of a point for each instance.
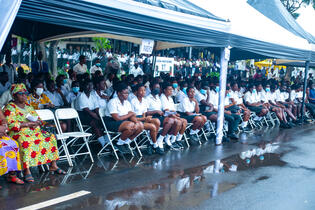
(66, 114)
(45, 114)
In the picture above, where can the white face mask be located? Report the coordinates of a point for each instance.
(39, 91)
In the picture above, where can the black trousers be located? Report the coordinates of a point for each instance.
(233, 121)
(311, 108)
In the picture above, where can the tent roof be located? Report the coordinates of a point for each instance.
(274, 10)
(253, 32)
(294, 63)
(46, 18)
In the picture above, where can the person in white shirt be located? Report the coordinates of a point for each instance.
(169, 108)
(169, 124)
(61, 83)
(282, 100)
(253, 103)
(140, 106)
(73, 94)
(80, 68)
(53, 95)
(100, 87)
(121, 118)
(182, 94)
(189, 110)
(88, 109)
(4, 82)
(96, 67)
(136, 70)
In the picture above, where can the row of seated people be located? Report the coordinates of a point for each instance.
(130, 110)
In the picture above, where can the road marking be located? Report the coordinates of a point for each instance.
(56, 200)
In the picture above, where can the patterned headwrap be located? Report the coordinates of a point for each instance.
(18, 88)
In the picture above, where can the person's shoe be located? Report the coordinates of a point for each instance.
(150, 149)
(194, 139)
(232, 136)
(246, 129)
(176, 146)
(159, 151)
(225, 139)
(291, 124)
(179, 143)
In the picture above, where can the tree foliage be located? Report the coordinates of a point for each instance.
(293, 5)
(101, 43)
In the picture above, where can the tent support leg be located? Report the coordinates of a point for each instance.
(225, 57)
(307, 66)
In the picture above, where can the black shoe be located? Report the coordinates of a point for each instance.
(284, 125)
(232, 136)
(171, 147)
(225, 139)
(180, 144)
(194, 139)
(124, 149)
(176, 146)
(246, 129)
(159, 151)
(291, 124)
(150, 149)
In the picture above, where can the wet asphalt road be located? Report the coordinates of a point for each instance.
(271, 169)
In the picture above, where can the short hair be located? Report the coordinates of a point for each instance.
(81, 57)
(119, 87)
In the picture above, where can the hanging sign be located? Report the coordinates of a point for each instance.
(164, 64)
(146, 46)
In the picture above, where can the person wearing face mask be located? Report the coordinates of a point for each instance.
(96, 67)
(253, 103)
(38, 99)
(74, 93)
(182, 94)
(175, 88)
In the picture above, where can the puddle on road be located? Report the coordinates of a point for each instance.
(188, 187)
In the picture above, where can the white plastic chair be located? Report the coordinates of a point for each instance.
(110, 135)
(48, 115)
(72, 114)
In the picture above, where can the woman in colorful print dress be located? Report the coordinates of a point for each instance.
(9, 154)
(36, 146)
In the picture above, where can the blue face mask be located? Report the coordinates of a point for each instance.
(175, 85)
(185, 90)
(76, 89)
(65, 81)
(217, 89)
(267, 89)
(203, 91)
(228, 95)
(254, 91)
(98, 64)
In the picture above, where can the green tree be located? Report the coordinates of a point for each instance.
(101, 43)
(293, 5)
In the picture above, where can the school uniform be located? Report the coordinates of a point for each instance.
(180, 96)
(187, 106)
(155, 104)
(115, 106)
(83, 101)
(233, 119)
(139, 107)
(237, 96)
(167, 103)
(55, 98)
(101, 102)
(253, 98)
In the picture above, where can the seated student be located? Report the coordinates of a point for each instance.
(37, 147)
(236, 95)
(171, 126)
(53, 95)
(61, 83)
(74, 93)
(281, 100)
(270, 97)
(311, 99)
(100, 86)
(88, 107)
(168, 107)
(4, 82)
(182, 93)
(132, 94)
(9, 154)
(140, 108)
(121, 118)
(37, 98)
(253, 103)
(232, 116)
(189, 110)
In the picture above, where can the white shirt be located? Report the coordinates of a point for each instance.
(261, 96)
(271, 96)
(293, 95)
(55, 98)
(251, 97)
(96, 68)
(282, 96)
(4, 87)
(101, 102)
(237, 96)
(131, 96)
(136, 71)
(87, 102)
(139, 107)
(214, 99)
(80, 69)
(199, 96)
(116, 107)
(167, 103)
(5, 98)
(187, 106)
(154, 104)
(180, 96)
(72, 97)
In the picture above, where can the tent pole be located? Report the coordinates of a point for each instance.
(307, 66)
(225, 57)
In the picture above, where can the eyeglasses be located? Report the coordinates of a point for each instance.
(21, 93)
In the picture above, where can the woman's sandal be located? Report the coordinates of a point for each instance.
(29, 178)
(14, 179)
(59, 171)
